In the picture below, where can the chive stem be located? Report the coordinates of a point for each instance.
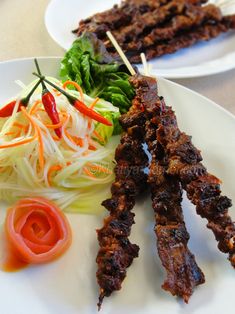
(39, 72)
(25, 100)
(70, 97)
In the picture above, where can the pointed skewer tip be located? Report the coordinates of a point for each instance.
(145, 64)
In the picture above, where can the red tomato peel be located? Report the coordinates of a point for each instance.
(37, 230)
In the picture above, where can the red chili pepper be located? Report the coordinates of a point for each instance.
(7, 110)
(49, 104)
(80, 106)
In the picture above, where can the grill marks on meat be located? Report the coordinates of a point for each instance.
(116, 252)
(191, 18)
(180, 17)
(184, 163)
(183, 273)
(157, 27)
(146, 23)
(202, 188)
(184, 40)
(117, 17)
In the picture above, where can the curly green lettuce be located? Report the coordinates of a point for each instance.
(91, 66)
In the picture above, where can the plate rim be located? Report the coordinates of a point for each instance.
(212, 103)
(218, 65)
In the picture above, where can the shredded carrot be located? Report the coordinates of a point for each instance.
(89, 123)
(69, 136)
(34, 106)
(99, 168)
(18, 134)
(78, 87)
(92, 147)
(39, 109)
(76, 140)
(39, 135)
(19, 125)
(25, 141)
(64, 114)
(58, 125)
(26, 129)
(92, 105)
(92, 143)
(99, 136)
(55, 138)
(55, 168)
(55, 126)
(85, 169)
(52, 169)
(57, 93)
(9, 133)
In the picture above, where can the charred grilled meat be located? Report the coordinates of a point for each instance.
(183, 40)
(157, 27)
(185, 164)
(116, 252)
(183, 273)
(169, 21)
(202, 188)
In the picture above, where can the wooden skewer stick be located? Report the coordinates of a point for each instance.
(145, 64)
(121, 53)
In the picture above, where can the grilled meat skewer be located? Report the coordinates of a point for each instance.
(117, 17)
(157, 27)
(163, 24)
(203, 189)
(190, 18)
(183, 273)
(116, 252)
(128, 13)
(202, 33)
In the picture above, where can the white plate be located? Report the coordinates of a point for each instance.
(68, 286)
(212, 57)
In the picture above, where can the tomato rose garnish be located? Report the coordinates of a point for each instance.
(37, 230)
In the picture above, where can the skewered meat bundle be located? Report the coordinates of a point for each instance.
(116, 252)
(157, 27)
(202, 188)
(183, 273)
(186, 39)
(175, 164)
(169, 21)
(132, 17)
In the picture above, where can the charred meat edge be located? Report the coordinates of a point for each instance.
(183, 273)
(116, 252)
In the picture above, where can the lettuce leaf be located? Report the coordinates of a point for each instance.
(91, 66)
